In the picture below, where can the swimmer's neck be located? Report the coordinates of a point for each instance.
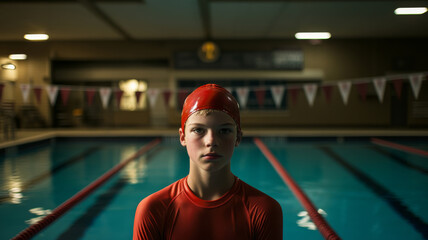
(210, 186)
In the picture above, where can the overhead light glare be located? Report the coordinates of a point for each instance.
(18, 56)
(36, 37)
(8, 66)
(410, 11)
(313, 35)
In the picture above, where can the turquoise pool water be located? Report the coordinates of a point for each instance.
(365, 191)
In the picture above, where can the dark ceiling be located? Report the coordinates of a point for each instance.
(201, 19)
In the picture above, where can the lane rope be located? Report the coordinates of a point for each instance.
(71, 202)
(324, 228)
(401, 147)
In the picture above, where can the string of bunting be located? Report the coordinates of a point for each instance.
(277, 91)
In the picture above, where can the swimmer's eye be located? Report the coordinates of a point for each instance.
(226, 130)
(197, 130)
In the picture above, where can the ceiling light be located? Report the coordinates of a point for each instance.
(18, 56)
(36, 37)
(313, 35)
(8, 66)
(410, 11)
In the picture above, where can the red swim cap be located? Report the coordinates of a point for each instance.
(211, 96)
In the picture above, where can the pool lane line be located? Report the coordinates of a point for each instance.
(323, 227)
(71, 202)
(57, 168)
(81, 224)
(102, 201)
(390, 198)
(400, 160)
(401, 147)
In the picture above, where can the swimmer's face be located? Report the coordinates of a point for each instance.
(210, 140)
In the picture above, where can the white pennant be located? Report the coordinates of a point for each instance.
(380, 84)
(52, 93)
(416, 83)
(25, 90)
(105, 93)
(243, 95)
(310, 92)
(277, 94)
(153, 93)
(344, 89)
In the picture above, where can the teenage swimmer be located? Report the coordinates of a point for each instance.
(210, 202)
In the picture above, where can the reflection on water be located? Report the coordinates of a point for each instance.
(12, 183)
(135, 171)
(39, 212)
(18, 171)
(305, 220)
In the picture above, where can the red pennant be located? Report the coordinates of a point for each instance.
(328, 89)
(38, 93)
(90, 96)
(166, 97)
(182, 94)
(294, 92)
(260, 95)
(1, 91)
(65, 93)
(362, 90)
(118, 94)
(398, 85)
(137, 96)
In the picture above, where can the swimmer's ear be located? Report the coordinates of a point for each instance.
(182, 137)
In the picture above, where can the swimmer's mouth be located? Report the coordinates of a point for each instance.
(212, 155)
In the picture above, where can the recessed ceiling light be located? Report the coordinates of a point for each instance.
(36, 37)
(313, 35)
(8, 66)
(410, 11)
(18, 56)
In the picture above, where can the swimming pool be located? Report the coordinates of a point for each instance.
(365, 191)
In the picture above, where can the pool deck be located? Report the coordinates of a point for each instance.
(30, 135)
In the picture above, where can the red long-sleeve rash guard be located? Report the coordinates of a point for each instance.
(176, 213)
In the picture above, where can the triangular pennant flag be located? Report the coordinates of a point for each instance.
(398, 86)
(362, 90)
(137, 96)
(310, 92)
(277, 94)
(90, 96)
(260, 95)
(229, 89)
(25, 90)
(52, 92)
(105, 93)
(242, 93)
(119, 94)
(416, 83)
(1, 90)
(328, 90)
(379, 84)
(65, 93)
(37, 93)
(182, 95)
(344, 89)
(153, 93)
(166, 97)
(294, 93)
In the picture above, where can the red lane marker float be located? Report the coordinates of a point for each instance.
(67, 205)
(322, 225)
(399, 147)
